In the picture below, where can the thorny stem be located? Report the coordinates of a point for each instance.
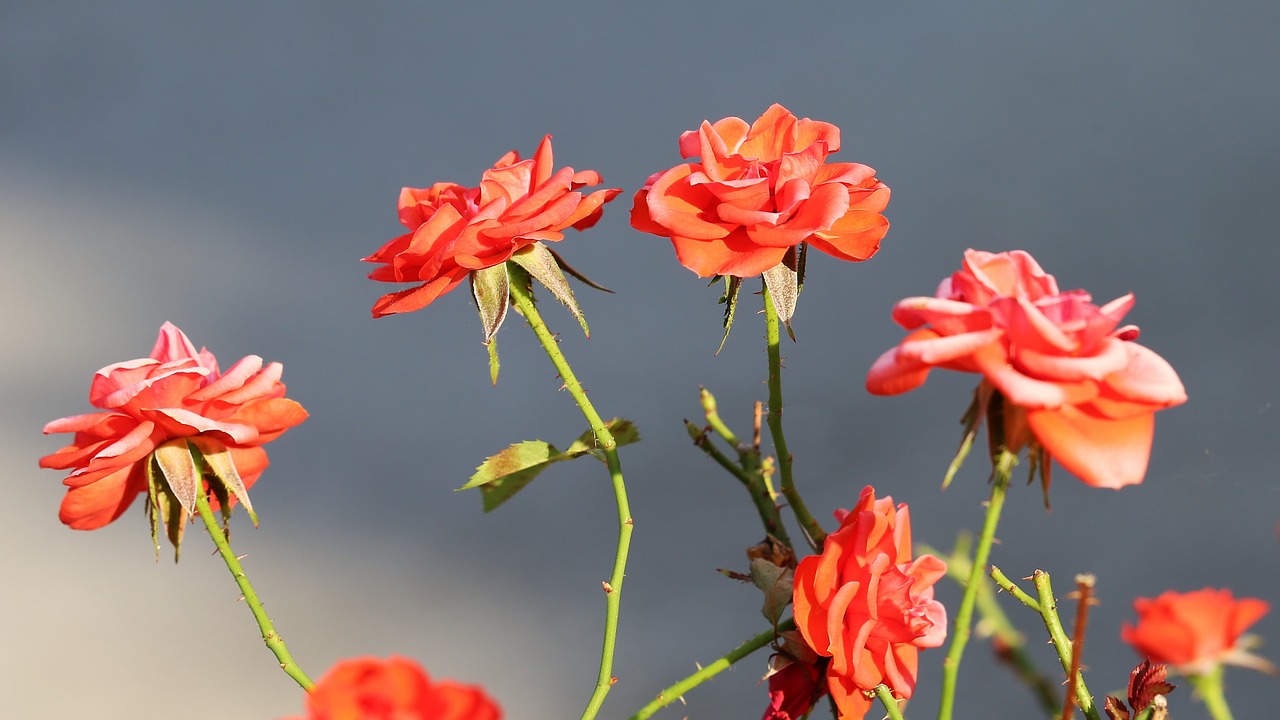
(812, 529)
(890, 704)
(675, 691)
(520, 293)
(1061, 643)
(1004, 462)
(269, 635)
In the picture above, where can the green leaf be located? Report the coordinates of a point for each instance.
(542, 264)
(501, 476)
(623, 430)
(492, 291)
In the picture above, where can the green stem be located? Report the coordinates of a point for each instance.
(812, 529)
(674, 692)
(1061, 643)
(1004, 463)
(1209, 687)
(269, 635)
(523, 298)
(890, 704)
(712, 412)
(1008, 586)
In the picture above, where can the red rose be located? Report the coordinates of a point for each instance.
(394, 689)
(1194, 632)
(758, 191)
(866, 604)
(455, 230)
(1087, 392)
(174, 393)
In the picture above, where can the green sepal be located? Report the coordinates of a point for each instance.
(971, 420)
(544, 266)
(492, 292)
(163, 508)
(218, 464)
(732, 285)
(494, 364)
(501, 476)
(179, 469)
(577, 275)
(776, 584)
(784, 288)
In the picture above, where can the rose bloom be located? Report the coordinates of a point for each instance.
(759, 190)
(176, 392)
(795, 683)
(1086, 391)
(866, 604)
(454, 230)
(394, 689)
(1196, 631)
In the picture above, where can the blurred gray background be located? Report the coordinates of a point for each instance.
(225, 168)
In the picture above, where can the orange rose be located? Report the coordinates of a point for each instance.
(1086, 391)
(758, 191)
(394, 689)
(455, 230)
(866, 604)
(174, 393)
(1196, 631)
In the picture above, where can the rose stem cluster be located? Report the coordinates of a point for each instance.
(960, 631)
(773, 338)
(523, 298)
(748, 470)
(269, 635)
(1045, 604)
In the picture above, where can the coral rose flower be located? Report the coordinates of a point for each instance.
(456, 230)
(394, 689)
(175, 393)
(866, 604)
(1195, 632)
(1088, 392)
(759, 190)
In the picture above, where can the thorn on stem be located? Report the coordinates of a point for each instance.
(613, 681)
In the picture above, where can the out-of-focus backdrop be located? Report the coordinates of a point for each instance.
(225, 166)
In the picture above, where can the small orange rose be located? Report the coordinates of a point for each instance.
(174, 393)
(394, 689)
(759, 190)
(455, 230)
(868, 605)
(1195, 631)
